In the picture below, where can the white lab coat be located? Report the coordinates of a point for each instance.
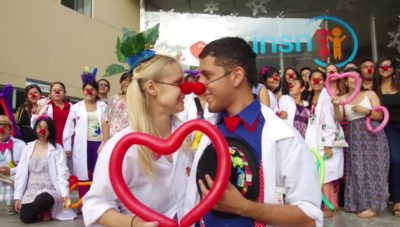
(18, 148)
(273, 102)
(287, 103)
(288, 165)
(76, 128)
(322, 132)
(58, 172)
(165, 194)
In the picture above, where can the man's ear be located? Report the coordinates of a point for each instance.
(238, 76)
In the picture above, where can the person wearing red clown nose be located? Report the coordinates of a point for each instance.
(321, 135)
(24, 112)
(387, 86)
(366, 68)
(41, 180)
(10, 153)
(83, 127)
(153, 97)
(289, 75)
(289, 192)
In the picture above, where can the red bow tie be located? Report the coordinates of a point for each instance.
(232, 123)
(5, 146)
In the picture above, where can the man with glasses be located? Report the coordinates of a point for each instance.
(289, 192)
(104, 89)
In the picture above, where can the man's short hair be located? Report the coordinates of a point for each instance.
(233, 51)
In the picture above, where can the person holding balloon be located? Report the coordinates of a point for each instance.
(387, 85)
(321, 134)
(289, 192)
(367, 163)
(154, 96)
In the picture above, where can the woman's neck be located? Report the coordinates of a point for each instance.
(297, 99)
(386, 81)
(41, 142)
(162, 122)
(102, 96)
(90, 101)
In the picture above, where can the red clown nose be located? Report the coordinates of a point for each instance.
(57, 92)
(369, 70)
(34, 96)
(291, 75)
(2, 131)
(89, 92)
(275, 78)
(42, 131)
(198, 88)
(332, 71)
(316, 81)
(186, 87)
(385, 67)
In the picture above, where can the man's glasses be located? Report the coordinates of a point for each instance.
(227, 73)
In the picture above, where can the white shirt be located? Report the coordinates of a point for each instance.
(164, 194)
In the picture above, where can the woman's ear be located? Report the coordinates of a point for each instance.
(150, 88)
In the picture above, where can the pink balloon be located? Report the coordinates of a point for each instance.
(357, 89)
(165, 147)
(383, 123)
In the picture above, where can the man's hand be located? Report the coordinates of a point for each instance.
(231, 201)
(17, 205)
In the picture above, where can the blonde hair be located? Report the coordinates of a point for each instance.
(138, 107)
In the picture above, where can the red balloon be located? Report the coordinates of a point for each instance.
(199, 88)
(186, 87)
(165, 147)
(72, 180)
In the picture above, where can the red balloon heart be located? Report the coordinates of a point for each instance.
(165, 147)
(197, 48)
(336, 76)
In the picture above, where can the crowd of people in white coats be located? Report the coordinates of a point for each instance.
(279, 116)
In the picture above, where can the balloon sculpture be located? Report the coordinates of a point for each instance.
(5, 97)
(384, 122)
(165, 147)
(353, 75)
(74, 184)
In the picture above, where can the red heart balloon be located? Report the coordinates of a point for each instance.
(357, 89)
(197, 48)
(165, 147)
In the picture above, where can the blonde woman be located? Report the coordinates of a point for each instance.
(153, 97)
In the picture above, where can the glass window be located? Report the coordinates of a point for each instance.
(82, 6)
(282, 33)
